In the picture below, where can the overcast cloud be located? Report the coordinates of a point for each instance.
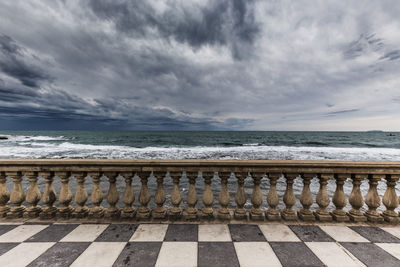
(200, 65)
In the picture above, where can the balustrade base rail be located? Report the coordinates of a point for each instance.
(12, 205)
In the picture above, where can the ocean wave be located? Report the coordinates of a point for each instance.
(74, 150)
(24, 138)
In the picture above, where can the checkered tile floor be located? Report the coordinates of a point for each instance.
(98, 245)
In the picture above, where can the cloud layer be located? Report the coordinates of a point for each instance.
(200, 65)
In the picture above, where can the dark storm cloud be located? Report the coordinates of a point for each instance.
(12, 63)
(199, 65)
(222, 22)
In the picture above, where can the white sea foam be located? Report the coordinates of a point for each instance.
(23, 138)
(36, 147)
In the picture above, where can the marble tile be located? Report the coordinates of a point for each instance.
(100, 254)
(392, 248)
(53, 233)
(177, 254)
(254, 254)
(61, 254)
(246, 233)
(150, 233)
(24, 253)
(117, 233)
(214, 233)
(182, 233)
(294, 254)
(21, 233)
(85, 233)
(342, 233)
(278, 233)
(310, 233)
(4, 247)
(395, 231)
(370, 254)
(375, 234)
(143, 254)
(332, 254)
(220, 254)
(7, 227)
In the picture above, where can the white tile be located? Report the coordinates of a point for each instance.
(21, 233)
(214, 233)
(392, 230)
(332, 254)
(177, 254)
(278, 233)
(100, 254)
(24, 253)
(85, 233)
(391, 248)
(342, 233)
(150, 233)
(254, 254)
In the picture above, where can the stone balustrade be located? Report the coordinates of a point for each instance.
(36, 204)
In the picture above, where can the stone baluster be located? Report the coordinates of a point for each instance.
(339, 199)
(356, 200)
(49, 196)
(191, 198)
(129, 211)
(306, 199)
(81, 196)
(208, 196)
(372, 199)
(17, 196)
(272, 214)
(240, 197)
(256, 198)
(323, 199)
(33, 196)
(97, 211)
(4, 195)
(390, 200)
(289, 198)
(175, 212)
(144, 197)
(112, 197)
(65, 197)
(160, 212)
(223, 197)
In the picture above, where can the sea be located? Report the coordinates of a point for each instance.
(238, 145)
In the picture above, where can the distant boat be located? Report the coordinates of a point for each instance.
(391, 134)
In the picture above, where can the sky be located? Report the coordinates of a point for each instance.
(200, 65)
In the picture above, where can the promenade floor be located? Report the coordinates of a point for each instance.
(62, 244)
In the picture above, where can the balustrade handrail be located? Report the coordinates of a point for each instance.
(82, 169)
(312, 166)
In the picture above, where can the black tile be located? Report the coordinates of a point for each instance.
(7, 227)
(4, 247)
(117, 233)
(53, 233)
(310, 233)
(181, 232)
(61, 254)
(370, 254)
(375, 234)
(245, 233)
(295, 254)
(217, 254)
(139, 254)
